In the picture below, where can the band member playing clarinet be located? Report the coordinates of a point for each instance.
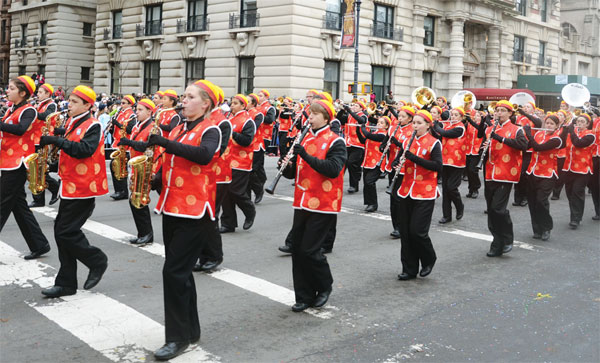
(422, 159)
(372, 141)
(82, 169)
(318, 168)
(16, 143)
(503, 168)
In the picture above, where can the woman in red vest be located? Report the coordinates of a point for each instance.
(422, 161)
(353, 116)
(473, 145)
(318, 169)
(187, 203)
(16, 143)
(263, 138)
(502, 170)
(82, 169)
(454, 154)
(169, 118)
(285, 121)
(372, 141)
(526, 118)
(122, 121)
(578, 164)
(560, 157)
(541, 175)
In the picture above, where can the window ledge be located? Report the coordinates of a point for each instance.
(330, 31)
(160, 37)
(373, 40)
(428, 47)
(204, 34)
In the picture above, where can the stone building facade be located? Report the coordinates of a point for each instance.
(580, 37)
(4, 41)
(54, 38)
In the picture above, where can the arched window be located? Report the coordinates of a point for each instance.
(568, 30)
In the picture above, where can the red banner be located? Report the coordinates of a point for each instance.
(348, 25)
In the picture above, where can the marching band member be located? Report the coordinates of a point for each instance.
(187, 202)
(578, 165)
(442, 103)
(422, 161)
(318, 168)
(560, 157)
(525, 118)
(45, 108)
(122, 122)
(356, 150)
(473, 145)
(285, 122)
(82, 169)
(541, 174)
(138, 145)
(16, 143)
(502, 170)
(372, 141)
(335, 125)
(169, 118)
(264, 133)
(453, 136)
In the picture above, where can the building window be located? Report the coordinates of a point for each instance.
(22, 70)
(429, 31)
(544, 10)
(521, 7)
(331, 82)
(41, 69)
(4, 32)
(428, 79)
(246, 75)
(519, 49)
(583, 68)
(153, 20)
(194, 70)
(43, 32)
(87, 29)
(333, 15)
(564, 67)
(381, 79)
(196, 15)
(542, 54)
(117, 32)
(85, 73)
(151, 77)
(248, 14)
(115, 77)
(25, 2)
(383, 24)
(23, 31)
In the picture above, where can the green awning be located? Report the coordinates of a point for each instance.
(553, 84)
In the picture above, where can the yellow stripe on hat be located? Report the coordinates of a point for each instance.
(170, 93)
(505, 104)
(85, 93)
(147, 103)
(408, 109)
(243, 99)
(265, 92)
(328, 107)
(209, 88)
(29, 83)
(130, 99)
(425, 115)
(48, 88)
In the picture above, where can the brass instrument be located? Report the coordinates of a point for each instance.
(492, 107)
(37, 163)
(462, 98)
(119, 156)
(423, 96)
(61, 117)
(575, 94)
(372, 108)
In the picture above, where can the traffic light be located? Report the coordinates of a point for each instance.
(364, 88)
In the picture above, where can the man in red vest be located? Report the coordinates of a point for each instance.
(82, 169)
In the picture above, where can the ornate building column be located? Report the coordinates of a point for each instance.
(457, 53)
(418, 49)
(492, 58)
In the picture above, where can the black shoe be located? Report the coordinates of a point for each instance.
(197, 267)
(395, 234)
(444, 220)
(132, 239)
(371, 208)
(226, 230)
(596, 217)
(170, 350)
(475, 194)
(507, 248)
(494, 253)
(426, 270)
(469, 195)
(259, 197)
(285, 249)
(326, 250)
(517, 203)
(537, 236)
(144, 240)
(211, 265)
(352, 190)
(460, 213)
(523, 203)
(546, 235)
(404, 276)
(53, 199)
(35, 204)
(322, 298)
(554, 197)
(38, 253)
(573, 224)
(249, 222)
(298, 307)
(95, 276)
(485, 212)
(58, 291)
(119, 196)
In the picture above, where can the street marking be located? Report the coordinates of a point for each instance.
(117, 331)
(384, 217)
(247, 282)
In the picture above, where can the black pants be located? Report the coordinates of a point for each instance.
(594, 184)
(310, 269)
(283, 143)
(521, 186)
(329, 239)
(71, 241)
(14, 200)
(258, 177)
(53, 186)
(184, 239)
(558, 183)
(353, 164)
(142, 220)
(538, 192)
(473, 173)
(415, 220)
(370, 186)
(119, 185)
(451, 179)
(499, 222)
(575, 189)
(395, 203)
(212, 249)
(236, 194)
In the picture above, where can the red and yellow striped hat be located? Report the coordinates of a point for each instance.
(387, 119)
(326, 96)
(408, 109)
(160, 93)
(360, 103)
(586, 116)
(243, 99)
(209, 88)
(327, 106)
(425, 115)
(505, 104)
(85, 93)
(265, 92)
(460, 110)
(220, 94)
(563, 112)
(130, 99)
(147, 103)
(29, 83)
(170, 93)
(48, 87)
(289, 99)
(438, 108)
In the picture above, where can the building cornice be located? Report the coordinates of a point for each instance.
(52, 3)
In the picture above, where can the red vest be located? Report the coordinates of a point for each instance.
(14, 148)
(579, 159)
(167, 116)
(123, 119)
(523, 121)
(141, 132)
(543, 163)
(315, 192)
(418, 182)
(403, 133)
(82, 178)
(265, 132)
(38, 124)
(504, 162)
(473, 142)
(596, 130)
(221, 165)
(189, 189)
(350, 132)
(241, 156)
(454, 151)
(284, 124)
(372, 153)
(294, 130)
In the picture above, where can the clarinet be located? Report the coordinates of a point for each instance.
(271, 188)
(387, 145)
(487, 146)
(401, 164)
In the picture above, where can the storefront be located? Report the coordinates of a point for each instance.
(547, 89)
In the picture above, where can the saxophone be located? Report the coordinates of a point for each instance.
(119, 157)
(37, 163)
(60, 120)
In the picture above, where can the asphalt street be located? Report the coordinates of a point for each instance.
(538, 303)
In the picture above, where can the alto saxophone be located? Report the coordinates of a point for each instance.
(119, 157)
(37, 163)
(60, 120)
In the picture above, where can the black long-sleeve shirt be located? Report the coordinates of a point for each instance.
(577, 141)
(49, 110)
(25, 120)
(363, 134)
(452, 133)
(270, 116)
(201, 154)
(360, 119)
(245, 137)
(536, 120)
(336, 126)
(434, 164)
(225, 128)
(550, 144)
(172, 124)
(258, 120)
(88, 144)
